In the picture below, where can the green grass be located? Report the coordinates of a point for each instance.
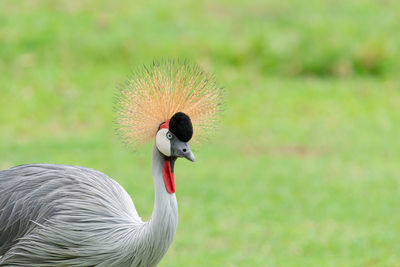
(304, 168)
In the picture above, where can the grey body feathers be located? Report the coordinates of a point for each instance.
(58, 215)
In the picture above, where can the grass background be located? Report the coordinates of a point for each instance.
(304, 168)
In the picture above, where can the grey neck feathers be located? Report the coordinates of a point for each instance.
(159, 231)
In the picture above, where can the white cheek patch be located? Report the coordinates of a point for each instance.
(163, 143)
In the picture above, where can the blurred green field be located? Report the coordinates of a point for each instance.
(304, 169)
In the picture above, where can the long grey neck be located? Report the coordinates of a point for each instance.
(160, 229)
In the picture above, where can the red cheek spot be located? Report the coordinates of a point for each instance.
(165, 125)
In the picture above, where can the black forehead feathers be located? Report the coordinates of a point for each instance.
(181, 126)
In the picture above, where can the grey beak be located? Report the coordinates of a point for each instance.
(182, 149)
(189, 155)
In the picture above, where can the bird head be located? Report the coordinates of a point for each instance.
(173, 136)
(172, 101)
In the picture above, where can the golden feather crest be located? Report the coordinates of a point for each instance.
(154, 94)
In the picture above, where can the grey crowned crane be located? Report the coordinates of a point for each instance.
(59, 215)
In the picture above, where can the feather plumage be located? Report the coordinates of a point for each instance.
(60, 215)
(153, 95)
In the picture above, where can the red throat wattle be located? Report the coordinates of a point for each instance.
(169, 177)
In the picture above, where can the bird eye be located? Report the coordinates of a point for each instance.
(169, 135)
